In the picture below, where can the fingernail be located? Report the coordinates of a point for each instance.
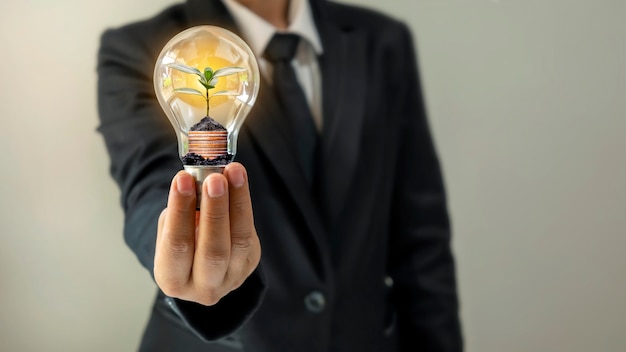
(235, 176)
(215, 186)
(184, 185)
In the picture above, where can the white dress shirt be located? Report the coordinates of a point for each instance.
(257, 32)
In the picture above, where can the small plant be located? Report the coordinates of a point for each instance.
(208, 79)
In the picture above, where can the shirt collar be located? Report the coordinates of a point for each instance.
(259, 32)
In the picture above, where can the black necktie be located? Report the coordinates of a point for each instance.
(280, 51)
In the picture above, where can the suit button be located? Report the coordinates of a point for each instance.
(315, 302)
(388, 282)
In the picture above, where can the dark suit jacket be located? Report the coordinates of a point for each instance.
(364, 264)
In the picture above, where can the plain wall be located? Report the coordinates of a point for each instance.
(527, 101)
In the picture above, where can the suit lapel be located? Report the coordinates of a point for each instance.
(267, 126)
(276, 143)
(343, 68)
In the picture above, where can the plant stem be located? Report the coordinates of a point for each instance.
(207, 102)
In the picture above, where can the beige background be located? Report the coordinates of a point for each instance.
(527, 100)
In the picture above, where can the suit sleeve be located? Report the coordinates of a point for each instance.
(421, 263)
(144, 157)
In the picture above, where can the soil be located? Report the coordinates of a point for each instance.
(207, 124)
(198, 160)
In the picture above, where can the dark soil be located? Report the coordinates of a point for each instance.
(207, 124)
(195, 159)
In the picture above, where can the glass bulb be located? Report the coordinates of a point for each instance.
(206, 80)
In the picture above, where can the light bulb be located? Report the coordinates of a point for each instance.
(206, 80)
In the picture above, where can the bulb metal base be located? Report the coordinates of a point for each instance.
(201, 172)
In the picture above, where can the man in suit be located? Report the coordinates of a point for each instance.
(360, 261)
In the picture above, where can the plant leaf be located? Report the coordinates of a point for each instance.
(208, 74)
(185, 68)
(205, 84)
(213, 82)
(228, 71)
(189, 91)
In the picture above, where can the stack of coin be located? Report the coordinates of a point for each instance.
(209, 144)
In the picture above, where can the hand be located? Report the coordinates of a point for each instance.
(202, 256)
